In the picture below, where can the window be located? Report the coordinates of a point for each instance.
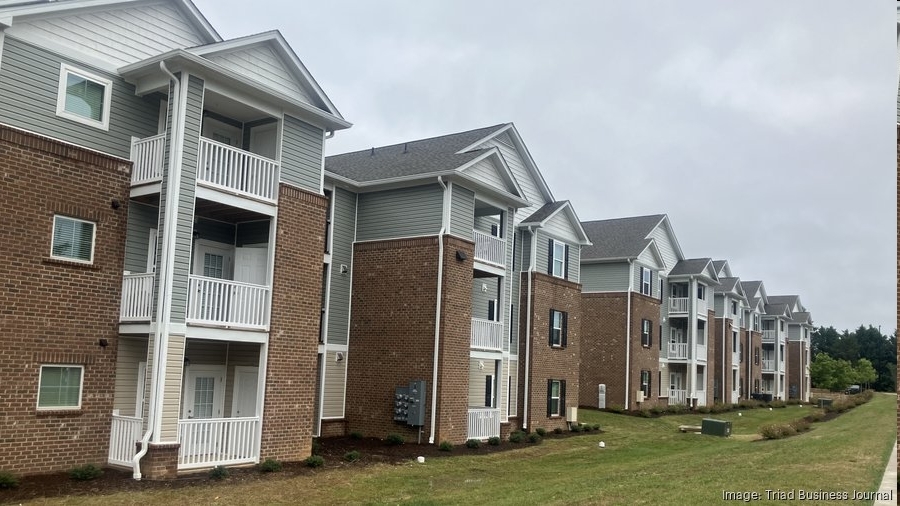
(756, 322)
(558, 330)
(556, 397)
(781, 325)
(83, 97)
(73, 239)
(646, 333)
(734, 307)
(701, 382)
(645, 383)
(701, 332)
(646, 281)
(756, 355)
(492, 311)
(59, 387)
(756, 385)
(559, 259)
(734, 342)
(701, 291)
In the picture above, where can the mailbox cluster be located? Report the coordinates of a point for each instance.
(409, 403)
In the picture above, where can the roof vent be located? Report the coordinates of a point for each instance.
(405, 148)
(373, 151)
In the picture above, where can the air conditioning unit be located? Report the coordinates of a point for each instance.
(572, 414)
(639, 396)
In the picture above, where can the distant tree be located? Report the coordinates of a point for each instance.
(865, 373)
(864, 342)
(835, 375)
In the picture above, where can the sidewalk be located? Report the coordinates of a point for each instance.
(889, 482)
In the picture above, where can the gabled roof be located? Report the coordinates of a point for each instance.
(540, 217)
(793, 301)
(694, 267)
(802, 317)
(779, 310)
(620, 238)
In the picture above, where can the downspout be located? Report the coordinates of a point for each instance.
(167, 264)
(724, 311)
(531, 263)
(628, 331)
(437, 317)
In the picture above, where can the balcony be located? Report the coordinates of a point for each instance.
(222, 302)
(148, 157)
(678, 350)
(677, 397)
(483, 423)
(236, 171)
(137, 297)
(768, 365)
(208, 442)
(769, 336)
(124, 434)
(490, 249)
(678, 304)
(487, 335)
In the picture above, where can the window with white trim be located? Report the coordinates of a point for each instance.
(645, 384)
(558, 259)
(646, 281)
(701, 291)
(73, 239)
(59, 387)
(558, 331)
(701, 332)
(83, 97)
(646, 333)
(556, 397)
(734, 307)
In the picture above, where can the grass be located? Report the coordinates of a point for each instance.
(646, 461)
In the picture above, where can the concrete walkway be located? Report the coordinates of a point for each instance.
(889, 482)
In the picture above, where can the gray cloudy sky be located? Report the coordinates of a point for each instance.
(765, 130)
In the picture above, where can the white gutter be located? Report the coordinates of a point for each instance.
(531, 263)
(628, 330)
(167, 265)
(724, 311)
(437, 313)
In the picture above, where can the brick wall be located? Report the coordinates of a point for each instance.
(602, 348)
(794, 370)
(717, 361)
(392, 334)
(642, 357)
(546, 362)
(294, 330)
(55, 312)
(711, 348)
(754, 341)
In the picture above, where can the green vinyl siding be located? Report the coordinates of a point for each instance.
(141, 218)
(462, 212)
(301, 155)
(404, 212)
(543, 256)
(341, 254)
(29, 84)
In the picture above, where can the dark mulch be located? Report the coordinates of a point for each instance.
(371, 451)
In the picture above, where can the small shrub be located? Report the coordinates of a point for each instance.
(395, 439)
(702, 409)
(85, 472)
(558, 430)
(777, 404)
(494, 441)
(615, 408)
(586, 428)
(517, 437)
(815, 416)
(314, 461)
(8, 480)
(801, 425)
(534, 437)
(270, 466)
(677, 409)
(351, 456)
(772, 431)
(719, 408)
(541, 431)
(596, 426)
(218, 473)
(657, 410)
(473, 443)
(577, 428)
(356, 435)
(316, 447)
(749, 404)
(788, 430)
(445, 446)
(793, 402)
(643, 413)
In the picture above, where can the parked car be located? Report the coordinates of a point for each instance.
(852, 389)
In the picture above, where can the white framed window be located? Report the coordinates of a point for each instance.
(59, 387)
(645, 384)
(558, 323)
(646, 333)
(701, 332)
(646, 281)
(701, 291)
(83, 97)
(558, 258)
(73, 239)
(556, 397)
(734, 307)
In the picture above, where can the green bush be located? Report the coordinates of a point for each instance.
(314, 461)
(801, 425)
(772, 431)
(445, 446)
(351, 456)
(777, 404)
(8, 480)
(270, 466)
(395, 439)
(473, 443)
(677, 409)
(596, 426)
(356, 435)
(749, 404)
(85, 472)
(643, 413)
(702, 409)
(794, 402)
(558, 430)
(316, 447)
(577, 428)
(719, 408)
(615, 408)
(541, 431)
(517, 437)
(534, 437)
(657, 410)
(586, 428)
(218, 473)
(494, 441)
(815, 416)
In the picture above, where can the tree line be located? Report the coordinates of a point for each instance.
(862, 357)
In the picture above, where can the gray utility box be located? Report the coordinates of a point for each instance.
(715, 427)
(409, 403)
(824, 402)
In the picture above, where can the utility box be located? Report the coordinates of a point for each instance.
(409, 403)
(572, 414)
(825, 402)
(715, 427)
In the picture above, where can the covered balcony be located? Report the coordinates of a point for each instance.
(137, 297)
(769, 336)
(487, 335)
(768, 365)
(227, 303)
(678, 350)
(489, 233)
(483, 423)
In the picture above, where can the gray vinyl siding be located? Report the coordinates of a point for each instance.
(604, 277)
(574, 263)
(654, 280)
(478, 380)
(29, 84)
(520, 172)
(252, 232)
(514, 387)
(131, 352)
(481, 297)
(141, 218)
(719, 306)
(335, 375)
(793, 332)
(508, 296)
(527, 244)
(301, 155)
(341, 254)
(261, 64)
(543, 256)
(666, 248)
(462, 212)
(216, 231)
(561, 228)
(486, 171)
(403, 212)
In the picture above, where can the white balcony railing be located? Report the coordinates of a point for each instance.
(768, 365)
(678, 304)
(148, 157)
(490, 249)
(486, 334)
(769, 336)
(207, 442)
(678, 397)
(236, 170)
(228, 303)
(678, 350)
(137, 297)
(484, 423)
(124, 433)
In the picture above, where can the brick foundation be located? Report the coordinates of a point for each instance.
(160, 461)
(333, 428)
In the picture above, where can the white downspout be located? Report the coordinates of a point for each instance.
(628, 332)
(167, 264)
(531, 266)
(437, 314)
(725, 312)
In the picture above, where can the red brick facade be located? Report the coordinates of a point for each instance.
(546, 362)
(796, 365)
(710, 350)
(294, 331)
(722, 340)
(57, 312)
(392, 334)
(752, 349)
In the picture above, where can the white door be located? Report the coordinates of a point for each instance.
(222, 132)
(263, 140)
(243, 403)
(151, 251)
(213, 260)
(250, 265)
(204, 398)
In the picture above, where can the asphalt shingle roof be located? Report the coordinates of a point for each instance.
(414, 158)
(618, 238)
(690, 266)
(544, 212)
(726, 285)
(750, 288)
(776, 309)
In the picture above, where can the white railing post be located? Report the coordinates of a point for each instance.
(217, 441)
(124, 433)
(489, 249)
(678, 304)
(137, 297)
(483, 423)
(148, 156)
(486, 334)
(224, 302)
(237, 170)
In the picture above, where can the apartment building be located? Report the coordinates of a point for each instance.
(799, 330)
(727, 355)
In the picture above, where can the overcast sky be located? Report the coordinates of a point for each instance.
(765, 129)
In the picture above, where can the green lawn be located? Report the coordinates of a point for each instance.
(646, 461)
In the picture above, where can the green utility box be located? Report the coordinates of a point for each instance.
(824, 402)
(715, 427)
